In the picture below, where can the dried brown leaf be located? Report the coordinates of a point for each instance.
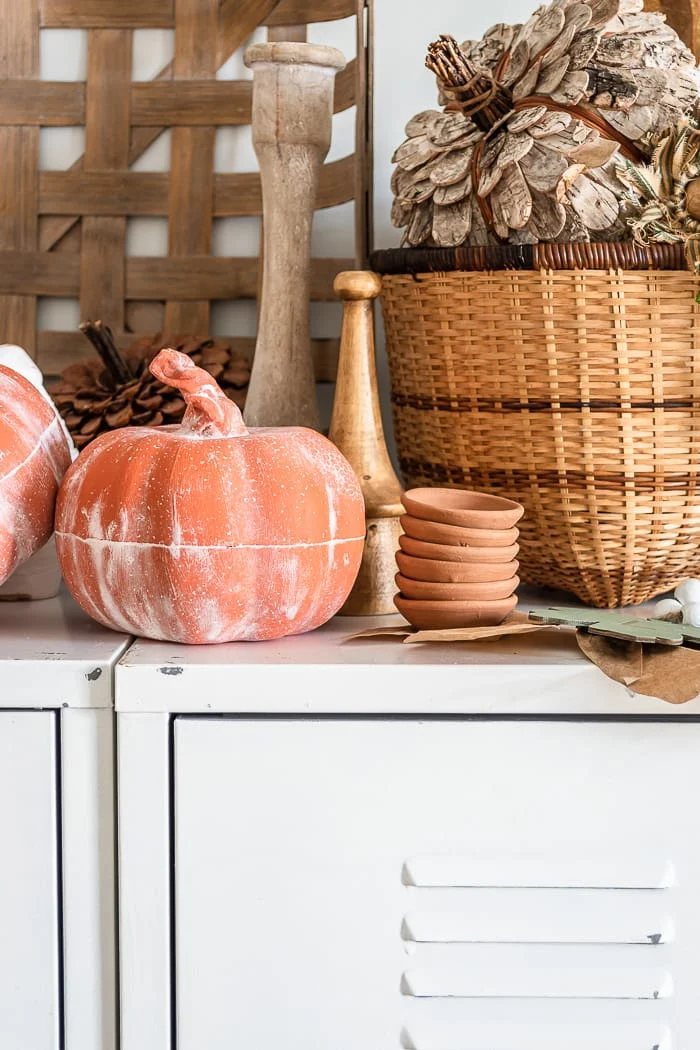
(545, 30)
(611, 88)
(560, 46)
(519, 58)
(412, 153)
(584, 48)
(451, 167)
(511, 201)
(456, 192)
(452, 223)
(634, 124)
(448, 128)
(572, 88)
(548, 217)
(551, 124)
(595, 153)
(552, 76)
(515, 147)
(579, 16)
(526, 118)
(421, 123)
(420, 225)
(480, 235)
(595, 205)
(620, 50)
(400, 213)
(543, 168)
(528, 82)
(417, 191)
(602, 11)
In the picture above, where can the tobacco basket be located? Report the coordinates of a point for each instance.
(566, 377)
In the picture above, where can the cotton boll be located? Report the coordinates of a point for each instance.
(691, 614)
(688, 592)
(668, 609)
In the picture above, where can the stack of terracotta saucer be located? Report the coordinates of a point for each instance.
(457, 563)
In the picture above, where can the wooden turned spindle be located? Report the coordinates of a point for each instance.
(356, 429)
(292, 120)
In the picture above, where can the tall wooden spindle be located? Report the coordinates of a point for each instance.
(356, 429)
(292, 120)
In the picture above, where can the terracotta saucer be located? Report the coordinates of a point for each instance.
(471, 510)
(443, 552)
(427, 615)
(455, 571)
(434, 532)
(428, 590)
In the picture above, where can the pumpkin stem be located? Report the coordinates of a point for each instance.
(209, 411)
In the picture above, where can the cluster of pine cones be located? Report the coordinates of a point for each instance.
(118, 391)
(537, 119)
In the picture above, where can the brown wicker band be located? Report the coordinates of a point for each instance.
(620, 255)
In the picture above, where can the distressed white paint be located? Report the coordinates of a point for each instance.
(207, 532)
(34, 455)
(18, 360)
(39, 577)
(53, 656)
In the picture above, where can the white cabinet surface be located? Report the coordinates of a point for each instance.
(57, 798)
(29, 891)
(436, 884)
(334, 844)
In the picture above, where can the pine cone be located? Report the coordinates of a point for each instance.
(96, 397)
(536, 116)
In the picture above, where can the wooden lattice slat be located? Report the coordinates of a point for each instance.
(63, 233)
(159, 14)
(155, 103)
(19, 149)
(146, 192)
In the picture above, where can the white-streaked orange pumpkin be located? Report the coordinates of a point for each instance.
(208, 532)
(34, 456)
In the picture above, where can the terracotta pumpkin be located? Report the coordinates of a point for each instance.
(34, 455)
(206, 531)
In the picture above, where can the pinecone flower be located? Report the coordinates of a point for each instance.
(535, 119)
(119, 390)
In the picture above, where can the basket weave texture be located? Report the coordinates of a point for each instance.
(574, 391)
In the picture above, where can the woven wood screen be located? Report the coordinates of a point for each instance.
(63, 233)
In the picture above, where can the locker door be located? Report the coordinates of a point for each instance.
(29, 911)
(436, 885)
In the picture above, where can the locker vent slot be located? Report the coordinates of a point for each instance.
(517, 869)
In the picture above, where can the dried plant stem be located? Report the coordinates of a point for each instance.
(103, 341)
(480, 96)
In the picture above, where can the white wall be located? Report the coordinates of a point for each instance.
(403, 86)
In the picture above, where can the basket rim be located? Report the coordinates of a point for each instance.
(623, 255)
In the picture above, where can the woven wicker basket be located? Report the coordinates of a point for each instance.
(566, 377)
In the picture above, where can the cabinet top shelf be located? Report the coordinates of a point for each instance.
(53, 655)
(325, 672)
